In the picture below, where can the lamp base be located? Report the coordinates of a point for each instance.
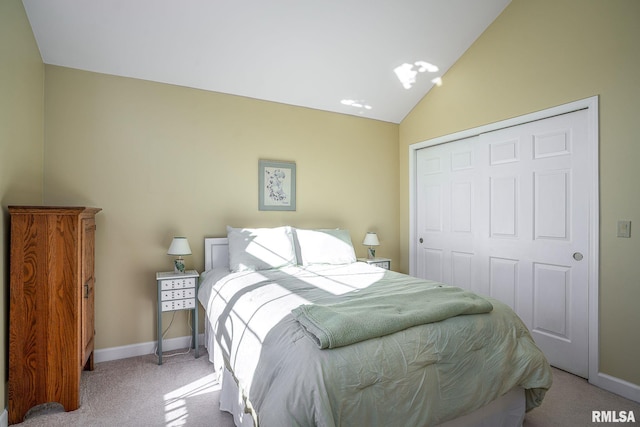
(371, 253)
(178, 266)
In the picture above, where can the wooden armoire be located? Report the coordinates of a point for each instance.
(51, 305)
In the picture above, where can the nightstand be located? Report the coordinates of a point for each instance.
(178, 291)
(378, 262)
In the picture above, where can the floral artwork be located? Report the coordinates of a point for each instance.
(275, 184)
(277, 189)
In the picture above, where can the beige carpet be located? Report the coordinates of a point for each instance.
(139, 392)
(571, 400)
(183, 392)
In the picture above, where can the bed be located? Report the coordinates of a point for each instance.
(275, 300)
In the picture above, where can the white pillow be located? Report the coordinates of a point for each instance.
(260, 248)
(324, 246)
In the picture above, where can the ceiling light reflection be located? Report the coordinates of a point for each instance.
(356, 104)
(407, 75)
(425, 66)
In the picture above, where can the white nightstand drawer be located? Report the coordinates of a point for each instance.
(178, 294)
(382, 264)
(179, 304)
(189, 282)
(378, 262)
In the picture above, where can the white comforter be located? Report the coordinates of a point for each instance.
(423, 375)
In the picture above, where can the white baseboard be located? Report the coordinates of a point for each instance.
(4, 419)
(141, 349)
(616, 385)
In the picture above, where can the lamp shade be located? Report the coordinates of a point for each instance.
(371, 239)
(179, 246)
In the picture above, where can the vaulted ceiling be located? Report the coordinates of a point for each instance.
(370, 58)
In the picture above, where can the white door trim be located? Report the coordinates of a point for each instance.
(591, 105)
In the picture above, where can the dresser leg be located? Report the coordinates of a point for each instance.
(89, 365)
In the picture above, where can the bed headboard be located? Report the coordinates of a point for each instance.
(216, 252)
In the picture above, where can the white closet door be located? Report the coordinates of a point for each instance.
(513, 223)
(447, 223)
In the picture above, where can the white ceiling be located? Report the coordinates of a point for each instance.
(317, 54)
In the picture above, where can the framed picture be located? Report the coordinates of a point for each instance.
(277, 186)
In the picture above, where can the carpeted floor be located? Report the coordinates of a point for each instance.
(183, 392)
(571, 400)
(139, 392)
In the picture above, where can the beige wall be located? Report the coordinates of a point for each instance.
(536, 55)
(21, 137)
(163, 160)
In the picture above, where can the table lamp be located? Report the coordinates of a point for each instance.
(371, 239)
(179, 247)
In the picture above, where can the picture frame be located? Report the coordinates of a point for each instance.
(276, 185)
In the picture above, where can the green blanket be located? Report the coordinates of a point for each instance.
(377, 311)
